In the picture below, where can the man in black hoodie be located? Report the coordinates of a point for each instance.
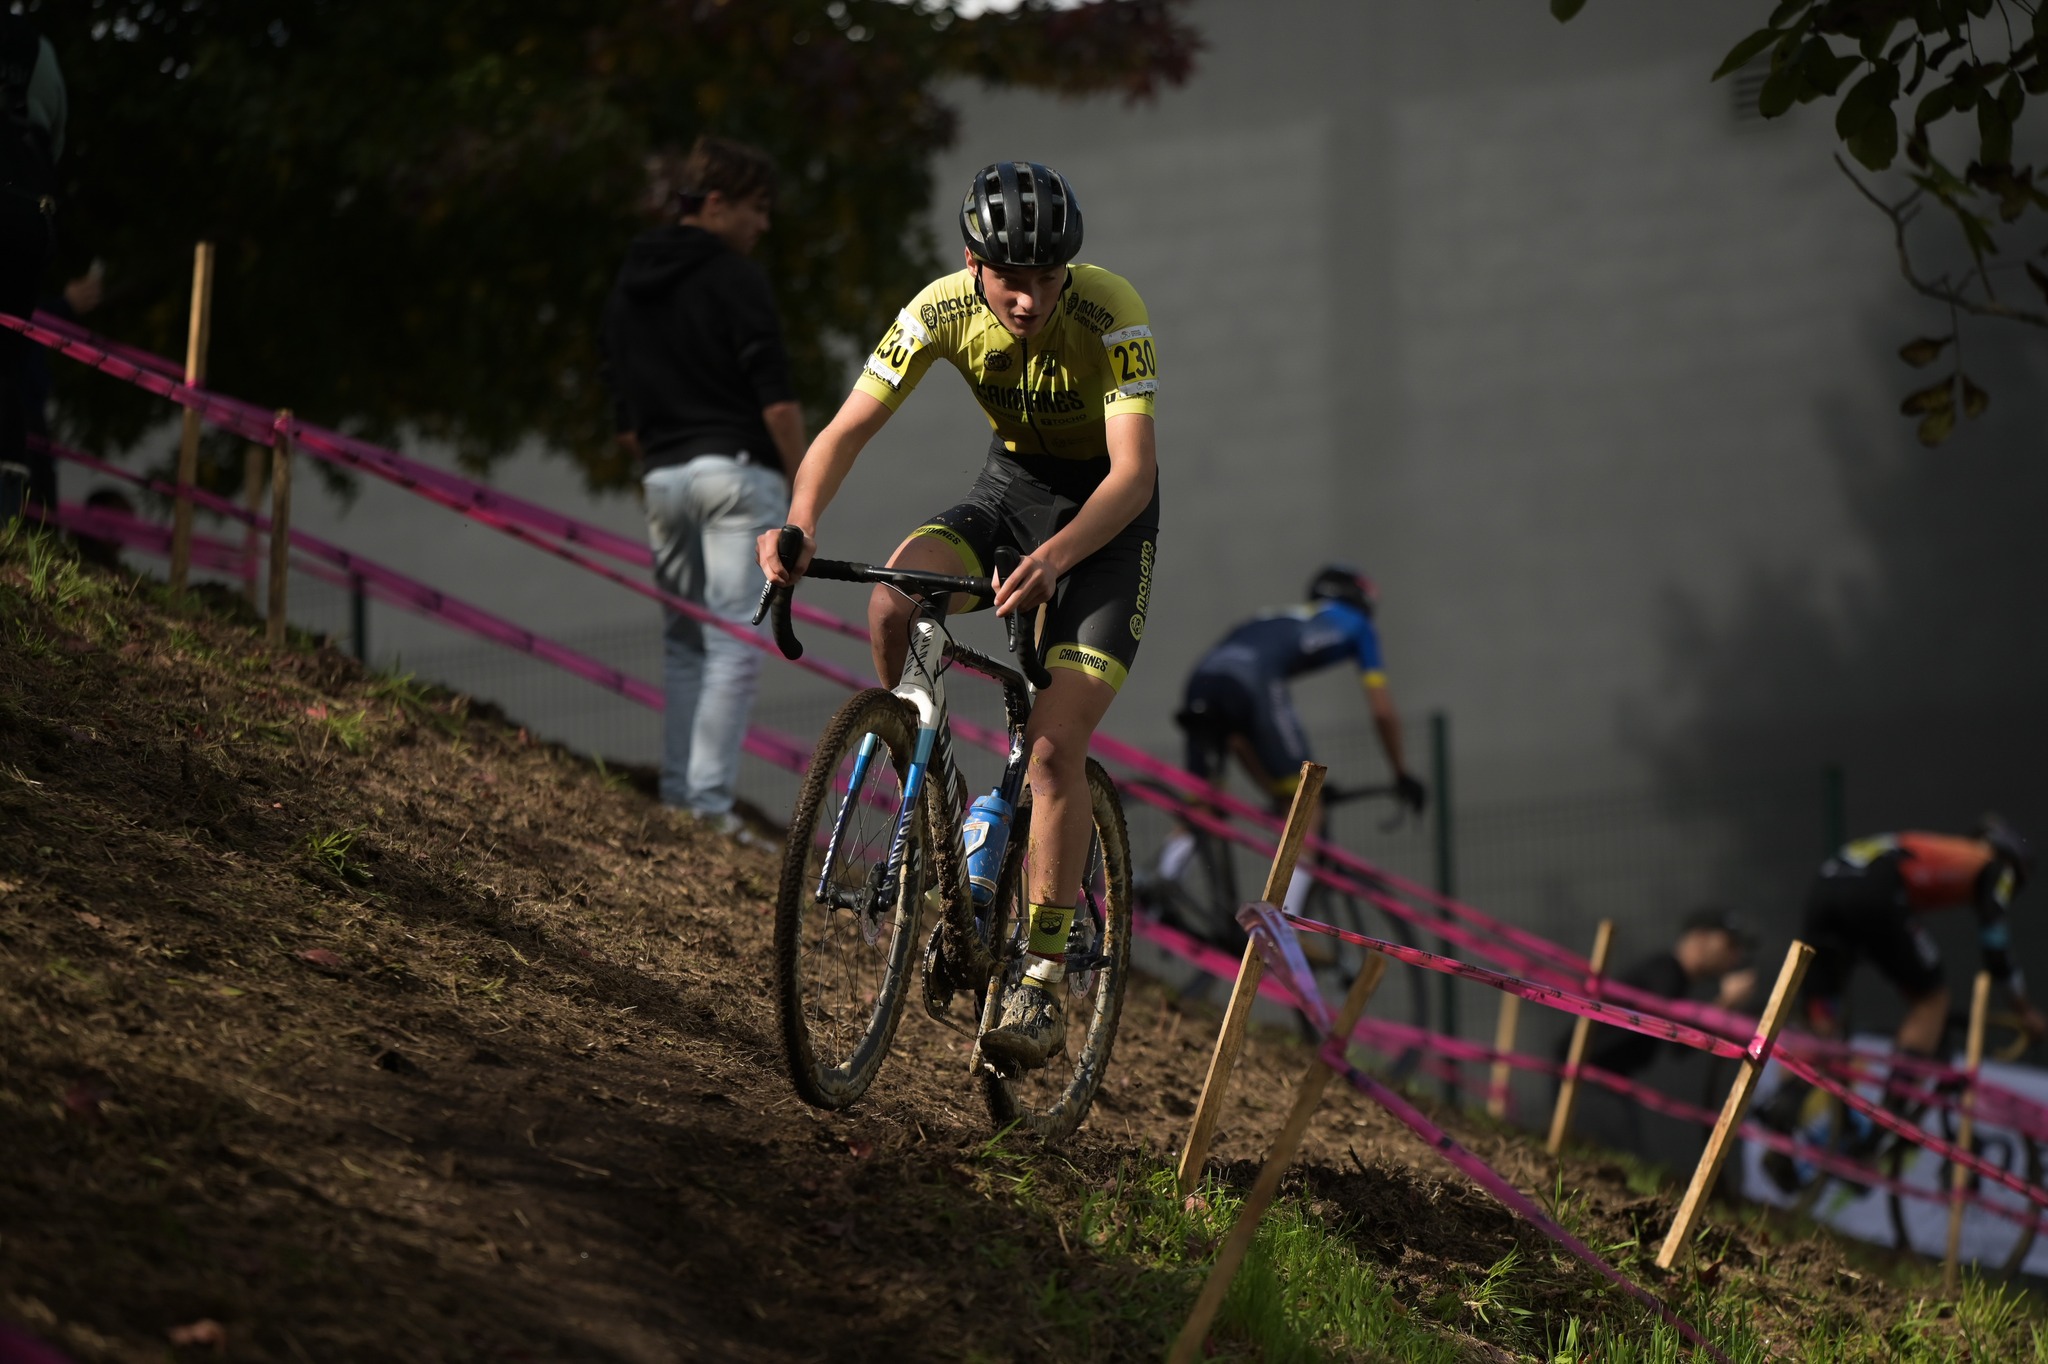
(32, 118)
(702, 395)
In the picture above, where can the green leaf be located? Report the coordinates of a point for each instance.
(1975, 399)
(1780, 87)
(1938, 103)
(1782, 15)
(1937, 427)
(1873, 42)
(1919, 68)
(1563, 10)
(1939, 397)
(1744, 52)
(2012, 98)
(1924, 351)
(1876, 143)
(1866, 100)
(1826, 69)
(1994, 128)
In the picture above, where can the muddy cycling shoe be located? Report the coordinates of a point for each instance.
(1031, 1030)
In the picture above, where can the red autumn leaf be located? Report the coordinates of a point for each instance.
(317, 712)
(320, 959)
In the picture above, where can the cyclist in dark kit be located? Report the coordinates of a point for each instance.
(1060, 357)
(1870, 900)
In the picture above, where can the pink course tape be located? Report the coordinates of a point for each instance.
(1273, 932)
(1530, 954)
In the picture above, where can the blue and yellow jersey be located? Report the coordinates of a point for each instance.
(1303, 640)
(1052, 395)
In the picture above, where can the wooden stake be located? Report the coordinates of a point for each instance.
(280, 526)
(1582, 1029)
(1230, 1039)
(253, 460)
(1503, 1042)
(197, 336)
(1797, 958)
(1973, 1057)
(1307, 1094)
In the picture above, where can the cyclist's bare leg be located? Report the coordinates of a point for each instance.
(1926, 1019)
(889, 611)
(1063, 719)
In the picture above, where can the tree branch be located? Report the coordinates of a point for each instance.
(1938, 290)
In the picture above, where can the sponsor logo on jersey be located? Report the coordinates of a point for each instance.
(996, 361)
(1008, 398)
(1089, 313)
(1144, 590)
(945, 310)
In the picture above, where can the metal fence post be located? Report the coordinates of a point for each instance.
(1834, 808)
(1446, 863)
(359, 617)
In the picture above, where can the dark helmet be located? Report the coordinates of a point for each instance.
(2006, 843)
(1342, 582)
(1021, 213)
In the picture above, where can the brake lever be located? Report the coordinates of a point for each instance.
(1022, 647)
(789, 546)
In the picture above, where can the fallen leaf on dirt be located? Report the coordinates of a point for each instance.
(858, 1149)
(8, 887)
(317, 712)
(1194, 1202)
(324, 961)
(204, 1333)
(86, 917)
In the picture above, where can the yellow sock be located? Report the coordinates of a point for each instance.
(1050, 925)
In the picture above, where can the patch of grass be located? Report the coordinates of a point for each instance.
(349, 729)
(612, 781)
(330, 852)
(1303, 1294)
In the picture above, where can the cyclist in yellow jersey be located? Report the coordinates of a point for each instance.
(1060, 357)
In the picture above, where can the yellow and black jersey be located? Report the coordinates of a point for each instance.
(1052, 395)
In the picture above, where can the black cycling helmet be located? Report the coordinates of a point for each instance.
(1342, 582)
(2006, 842)
(1021, 213)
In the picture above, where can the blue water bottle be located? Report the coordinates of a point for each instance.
(985, 833)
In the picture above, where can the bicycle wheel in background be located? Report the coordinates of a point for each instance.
(1052, 1102)
(843, 956)
(2005, 1247)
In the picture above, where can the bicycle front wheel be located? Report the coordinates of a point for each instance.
(845, 936)
(1053, 1101)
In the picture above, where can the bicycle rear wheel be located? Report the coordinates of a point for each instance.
(2005, 1250)
(1053, 1101)
(844, 942)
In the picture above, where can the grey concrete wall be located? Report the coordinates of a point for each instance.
(1593, 376)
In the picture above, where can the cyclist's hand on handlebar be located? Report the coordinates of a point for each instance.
(1029, 585)
(769, 554)
(1411, 792)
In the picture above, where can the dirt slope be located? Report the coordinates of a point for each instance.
(356, 1023)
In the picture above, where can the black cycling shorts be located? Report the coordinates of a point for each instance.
(1097, 614)
(1220, 705)
(1865, 915)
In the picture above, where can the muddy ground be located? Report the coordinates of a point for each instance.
(343, 1022)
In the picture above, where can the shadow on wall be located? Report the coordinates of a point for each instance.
(1923, 678)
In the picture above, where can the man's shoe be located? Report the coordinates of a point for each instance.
(1782, 1171)
(1031, 1029)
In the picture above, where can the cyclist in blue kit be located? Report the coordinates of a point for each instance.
(1237, 701)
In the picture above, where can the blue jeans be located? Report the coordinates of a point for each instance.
(702, 520)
